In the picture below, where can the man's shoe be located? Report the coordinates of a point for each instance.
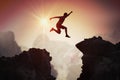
(67, 36)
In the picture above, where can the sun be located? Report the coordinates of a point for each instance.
(44, 22)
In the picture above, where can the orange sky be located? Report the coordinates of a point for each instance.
(23, 18)
(89, 18)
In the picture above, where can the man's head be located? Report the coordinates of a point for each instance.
(65, 14)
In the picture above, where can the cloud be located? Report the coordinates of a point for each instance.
(115, 31)
(113, 10)
(63, 55)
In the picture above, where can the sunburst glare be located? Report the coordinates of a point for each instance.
(44, 22)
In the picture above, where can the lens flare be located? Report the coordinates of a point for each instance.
(44, 22)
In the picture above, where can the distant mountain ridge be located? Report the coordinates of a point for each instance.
(8, 45)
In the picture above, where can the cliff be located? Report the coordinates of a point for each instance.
(29, 65)
(101, 59)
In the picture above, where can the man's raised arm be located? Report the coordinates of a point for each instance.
(70, 13)
(55, 17)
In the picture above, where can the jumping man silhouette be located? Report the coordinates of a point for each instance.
(59, 25)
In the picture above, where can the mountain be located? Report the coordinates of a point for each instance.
(8, 45)
(29, 65)
(101, 59)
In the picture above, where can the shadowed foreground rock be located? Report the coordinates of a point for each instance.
(101, 59)
(29, 65)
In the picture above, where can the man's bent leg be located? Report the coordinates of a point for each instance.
(63, 27)
(57, 31)
(51, 29)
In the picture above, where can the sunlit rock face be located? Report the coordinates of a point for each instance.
(8, 45)
(29, 65)
(101, 59)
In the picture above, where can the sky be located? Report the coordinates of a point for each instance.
(89, 18)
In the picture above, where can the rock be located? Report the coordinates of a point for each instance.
(29, 65)
(101, 59)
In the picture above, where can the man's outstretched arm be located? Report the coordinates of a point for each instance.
(69, 13)
(55, 17)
